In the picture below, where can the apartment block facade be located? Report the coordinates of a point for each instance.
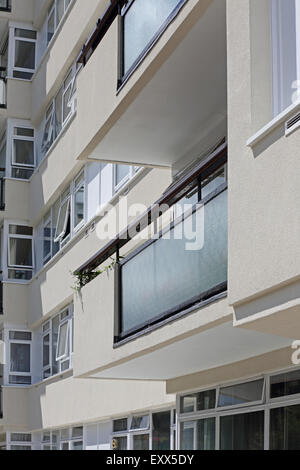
(149, 187)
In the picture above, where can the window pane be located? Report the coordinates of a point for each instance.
(25, 54)
(161, 439)
(198, 401)
(285, 428)
(79, 206)
(120, 443)
(122, 171)
(20, 448)
(212, 182)
(62, 349)
(19, 357)
(66, 99)
(58, 112)
(59, 10)
(55, 326)
(62, 219)
(20, 230)
(242, 432)
(198, 435)
(140, 422)
(25, 33)
(285, 384)
(23, 131)
(141, 23)
(78, 445)
(18, 437)
(19, 380)
(141, 442)
(24, 152)
(241, 393)
(50, 26)
(77, 432)
(20, 335)
(46, 350)
(20, 250)
(120, 425)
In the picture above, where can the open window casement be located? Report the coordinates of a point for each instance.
(62, 349)
(72, 102)
(62, 221)
(48, 136)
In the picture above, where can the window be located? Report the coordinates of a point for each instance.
(143, 21)
(20, 252)
(55, 14)
(20, 357)
(60, 109)
(198, 435)
(155, 430)
(285, 428)
(241, 394)
(198, 402)
(58, 343)
(64, 219)
(245, 416)
(23, 152)
(24, 53)
(19, 441)
(242, 431)
(285, 384)
(285, 14)
(79, 203)
(122, 174)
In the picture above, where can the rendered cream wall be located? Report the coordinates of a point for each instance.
(264, 196)
(15, 304)
(77, 401)
(16, 200)
(254, 367)
(22, 10)
(18, 98)
(94, 313)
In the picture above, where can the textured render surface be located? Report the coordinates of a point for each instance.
(239, 370)
(264, 194)
(74, 401)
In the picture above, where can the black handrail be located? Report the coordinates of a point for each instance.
(2, 193)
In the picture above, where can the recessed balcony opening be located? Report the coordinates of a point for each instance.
(181, 95)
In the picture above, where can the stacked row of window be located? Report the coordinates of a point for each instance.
(154, 431)
(56, 350)
(255, 415)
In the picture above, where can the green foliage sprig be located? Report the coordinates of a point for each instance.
(82, 279)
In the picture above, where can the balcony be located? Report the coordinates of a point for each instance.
(171, 95)
(165, 276)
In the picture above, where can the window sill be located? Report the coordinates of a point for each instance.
(273, 124)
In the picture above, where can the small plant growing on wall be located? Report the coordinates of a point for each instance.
(82, 279)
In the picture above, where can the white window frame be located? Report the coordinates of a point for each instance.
(65, 316)
(130, 433)
(58, 237)
(18, 341)
(22, 237)
(65, 355)
(19, 38)
(23, 138)
(53, 9)
(74, 191)
(217, 413)
(11, 443)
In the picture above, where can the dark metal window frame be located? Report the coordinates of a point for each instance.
(205, 295)
(123, 78)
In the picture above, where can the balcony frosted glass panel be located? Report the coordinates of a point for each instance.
(141, 22)
(166, 274)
